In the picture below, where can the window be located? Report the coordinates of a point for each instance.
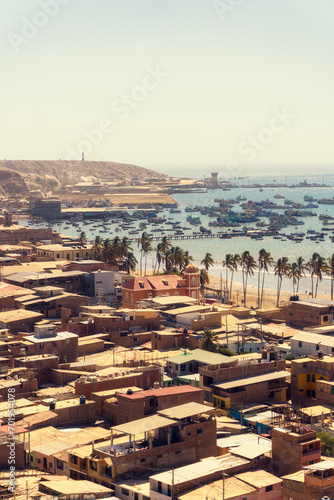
(41, 346)
(325, 318)
(73, 459)
(317, 347)
(308, 378)
(125, 492)
(269, 488)
(313, 377)
(290, 313)
(136, 497)
(143, 459)
(159, 487)
(300, 344)
(193, 280)
(92, 465)
(199, 431)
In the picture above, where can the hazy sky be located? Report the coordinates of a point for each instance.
(217, 83)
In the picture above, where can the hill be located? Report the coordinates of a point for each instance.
(12, 183)
(53, 174)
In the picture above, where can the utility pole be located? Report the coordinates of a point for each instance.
(173, 483)
(221, 287)
(223, 485)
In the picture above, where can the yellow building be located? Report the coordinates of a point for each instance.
(61, 252)
(305, 372)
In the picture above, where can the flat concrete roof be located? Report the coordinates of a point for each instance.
(164, 301)
(54, 338)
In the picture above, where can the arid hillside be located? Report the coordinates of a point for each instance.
(54, 174)
(12, 183)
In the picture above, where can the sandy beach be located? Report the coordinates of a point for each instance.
(269, 297)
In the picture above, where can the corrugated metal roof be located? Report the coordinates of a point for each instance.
(186, 410)
(209, 358)
(143, 425)
(313, 338)
(252, 380)
(325, 465)
(251, 451)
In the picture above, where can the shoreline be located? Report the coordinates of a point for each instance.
(269, 294)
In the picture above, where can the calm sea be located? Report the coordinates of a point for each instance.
(219, 247)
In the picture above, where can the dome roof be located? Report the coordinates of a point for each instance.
(191, 269)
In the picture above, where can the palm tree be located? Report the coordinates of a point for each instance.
(115, 250)
(259, 270)
(209, 341)
(312, 267)
(248, 265)
(227, 263)
(147, 249)
(208, 261)
(106, 251)
(177, 254)
(125, 247)
(131, 262)
(321, 267)
(203, 279)
(266, 262)
(98, 245)
(281, 269)
(330, 261)
(233, 266)
(186, 260)
(301, 271)
(142, 243)
(294, 274)
(82, 240)
(159, 256)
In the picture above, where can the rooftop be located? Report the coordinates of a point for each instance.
(164, 391)
(201, 356)
(314, 338)
(186, 410)
(257, 379)
(18, 315)
(199, 469)
(58, 336)
(258, 478)
(71, 487)
(232, 487)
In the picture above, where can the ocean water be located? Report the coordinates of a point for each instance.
(220, 247)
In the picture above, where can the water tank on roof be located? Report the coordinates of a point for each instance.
(129, 391)
(52, 405)
(82, 400)
(320, 354)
